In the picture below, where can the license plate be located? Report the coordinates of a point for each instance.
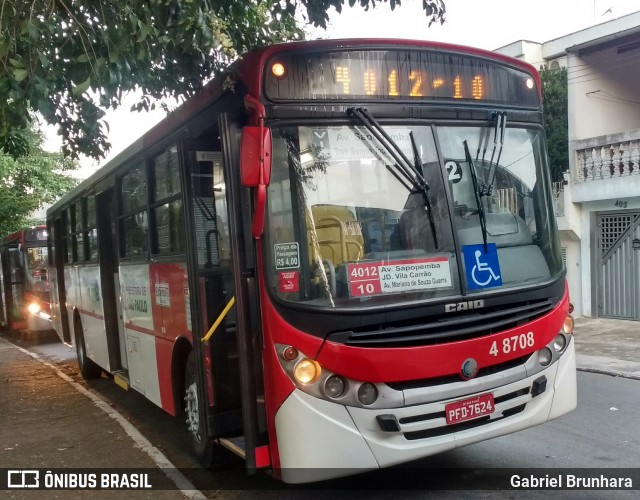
(467, 409)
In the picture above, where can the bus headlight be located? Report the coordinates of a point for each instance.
(310, 377)
(367, 394)
(33, 308)
(306, 371)
(559, 343)
(334, 386)
(545, 356)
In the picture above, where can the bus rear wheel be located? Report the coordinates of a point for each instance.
(88, 368)
(201, 444)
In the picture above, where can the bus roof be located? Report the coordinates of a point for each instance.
(244, 70)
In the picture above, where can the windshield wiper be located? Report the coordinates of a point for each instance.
(478, 195)
(408, 174)
(498, 131)
(499, 127)
(425, 189)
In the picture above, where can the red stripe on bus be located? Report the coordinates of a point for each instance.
(141, 329)
(92, 314)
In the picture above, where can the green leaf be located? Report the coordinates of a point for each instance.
(82, 87)
(15, 63)
(4, 47)
(41, 85)
(142, 53)
(145, 29)
(82, 58)
(20, 74)
(45, 107)
(44, 60)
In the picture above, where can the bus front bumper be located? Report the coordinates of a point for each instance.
(39, 322)
(320, 440)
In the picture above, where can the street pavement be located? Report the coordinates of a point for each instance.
(609, 346)
(51, 421)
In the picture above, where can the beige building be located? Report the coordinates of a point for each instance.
(599, 206)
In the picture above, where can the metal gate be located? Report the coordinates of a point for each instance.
(618, 265)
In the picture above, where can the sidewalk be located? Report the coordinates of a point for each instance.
(610, 346)
(47, 423)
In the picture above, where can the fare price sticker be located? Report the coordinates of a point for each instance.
(286, 255)
(399, 276)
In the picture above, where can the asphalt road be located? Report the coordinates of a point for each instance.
(603, 433)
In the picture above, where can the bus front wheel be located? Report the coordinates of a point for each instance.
(201, 444)
(88, 368)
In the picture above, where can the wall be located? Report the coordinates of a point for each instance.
(603, 93)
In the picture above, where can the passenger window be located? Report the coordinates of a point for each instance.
(170, 228)
(134, 224)
(70, 239)
(167, 175)
(210, 210)
(79, 252)
(169, 234)
(91, 233)
(135, 235)
(134, 189)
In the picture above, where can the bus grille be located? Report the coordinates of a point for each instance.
(455, 378)
(447, 328)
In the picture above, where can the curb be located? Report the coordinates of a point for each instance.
(610, 372)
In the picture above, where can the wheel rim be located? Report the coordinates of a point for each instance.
(191, 410)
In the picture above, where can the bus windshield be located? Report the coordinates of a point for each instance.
(345, 226)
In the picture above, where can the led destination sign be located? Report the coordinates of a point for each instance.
(398, 74)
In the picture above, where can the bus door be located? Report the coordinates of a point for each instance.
(58, 291)
(110, 285)
(249, 331)
(211, 284)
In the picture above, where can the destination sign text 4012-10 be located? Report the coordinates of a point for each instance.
(398, 74)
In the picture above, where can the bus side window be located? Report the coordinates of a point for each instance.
(210, 212)
(91, 233)
(133, 213)
(169, 234)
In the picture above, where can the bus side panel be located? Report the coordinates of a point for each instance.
(170, 290)
(164, 351)
(135, 287)
(141, 330)
(143, 363)
(172, 319)
(92, 315)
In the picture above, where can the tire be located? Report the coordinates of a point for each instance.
(202, 446)
(88, 368)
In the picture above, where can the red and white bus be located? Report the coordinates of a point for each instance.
(341, 256)
(24, 282)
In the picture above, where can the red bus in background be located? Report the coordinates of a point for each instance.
(340, 256)
(24, 280)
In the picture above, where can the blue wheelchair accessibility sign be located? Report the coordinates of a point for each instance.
(482, 269)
